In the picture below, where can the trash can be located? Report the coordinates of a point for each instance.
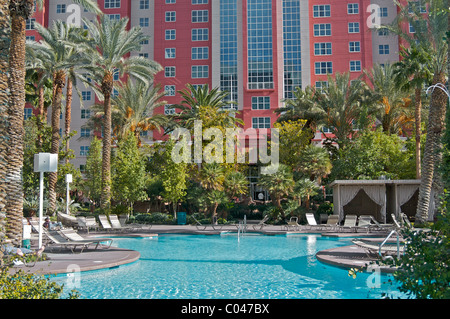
(181, 218)
(26, 243)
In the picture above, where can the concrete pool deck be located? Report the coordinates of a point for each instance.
(64, 261)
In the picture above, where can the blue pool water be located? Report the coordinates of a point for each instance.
(203, 267)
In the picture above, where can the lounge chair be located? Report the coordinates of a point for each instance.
(365, 223)
(72, 235)
(105, 223)
(349, 223)
(59, 240)
(67, 220)
(18, 256)
(87, 223)
(292, 223)
(332, 222)
(384, 227)
(261, 223)
(115, 223)
(312, 223)
(204, 226)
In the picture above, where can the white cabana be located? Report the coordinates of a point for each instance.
(386, 197)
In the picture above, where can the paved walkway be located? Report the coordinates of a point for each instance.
(64, 261)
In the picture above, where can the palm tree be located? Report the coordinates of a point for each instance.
(316, 163)
(279, 184)
(59, 60)
(211, 178)
(392, 104)
(196, 100)
(430, 32)
(4, 53)
(235, 184)
(133, 108)
(19, 12)
(107, 49)
(302, 106)
(413, 72)
(343, 102)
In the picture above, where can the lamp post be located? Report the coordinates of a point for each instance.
(43, 162)
(68, 180)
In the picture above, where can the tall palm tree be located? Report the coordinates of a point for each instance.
(133, 108)
(211, 178)
(107, 49)
(392, 103)
(4, 54)
(59, 60)
(19, 12)
(316, 163)
(430, 32)
(413, 72)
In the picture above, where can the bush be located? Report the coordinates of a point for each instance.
(152, 218)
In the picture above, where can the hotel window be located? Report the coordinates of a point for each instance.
(171, 1)
(170, 53)
(169, 71)
(352, 8)
(170, 16)
(260, 102)
(109, 4)
(170, 34)
(30, 38)
(353, 27)
(321, 85)
(322, 29)
(143, 22)
(144, 4)
(60, 8)
(355, 66)
(168, 109)
(143, 55)
(200, 34)
(114, 16)
(414, 6)
(383, 49)
(169, 90)
(199, 71)
(323, 67)
(321, 11)
(29, 25)
(86, 95)
(28, 112)
(85, 114)
(85, 132)
(116, 75)
(199, 1)
(199, 16)
(84, 150)
(143, 42)
(354, 46)
(200, 53)
(383, 12)
(383, 32)
(322, 48)
(260, 122)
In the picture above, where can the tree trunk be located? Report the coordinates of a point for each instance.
(107, 86)
(418, 120)
(68, 117)
(436, 124)
(4, 93)
(19, 12)
(59, 83)
(40, 118)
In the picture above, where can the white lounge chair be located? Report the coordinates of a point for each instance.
(115, 223)
(332, 222)
(58, 240)
(72, 235)
(204, 226)
(312, 223)
(104, 222)
(349, 223)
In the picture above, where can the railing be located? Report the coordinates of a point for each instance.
(387, 238)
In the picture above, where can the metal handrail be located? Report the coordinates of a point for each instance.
(386, 239)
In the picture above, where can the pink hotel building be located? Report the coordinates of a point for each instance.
(257, 50)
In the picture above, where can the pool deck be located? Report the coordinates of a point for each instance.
(64, 261)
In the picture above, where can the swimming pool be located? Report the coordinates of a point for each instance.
(227, 266)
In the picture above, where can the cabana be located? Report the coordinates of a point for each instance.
(379, 198)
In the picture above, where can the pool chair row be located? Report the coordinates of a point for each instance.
(113, 224)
